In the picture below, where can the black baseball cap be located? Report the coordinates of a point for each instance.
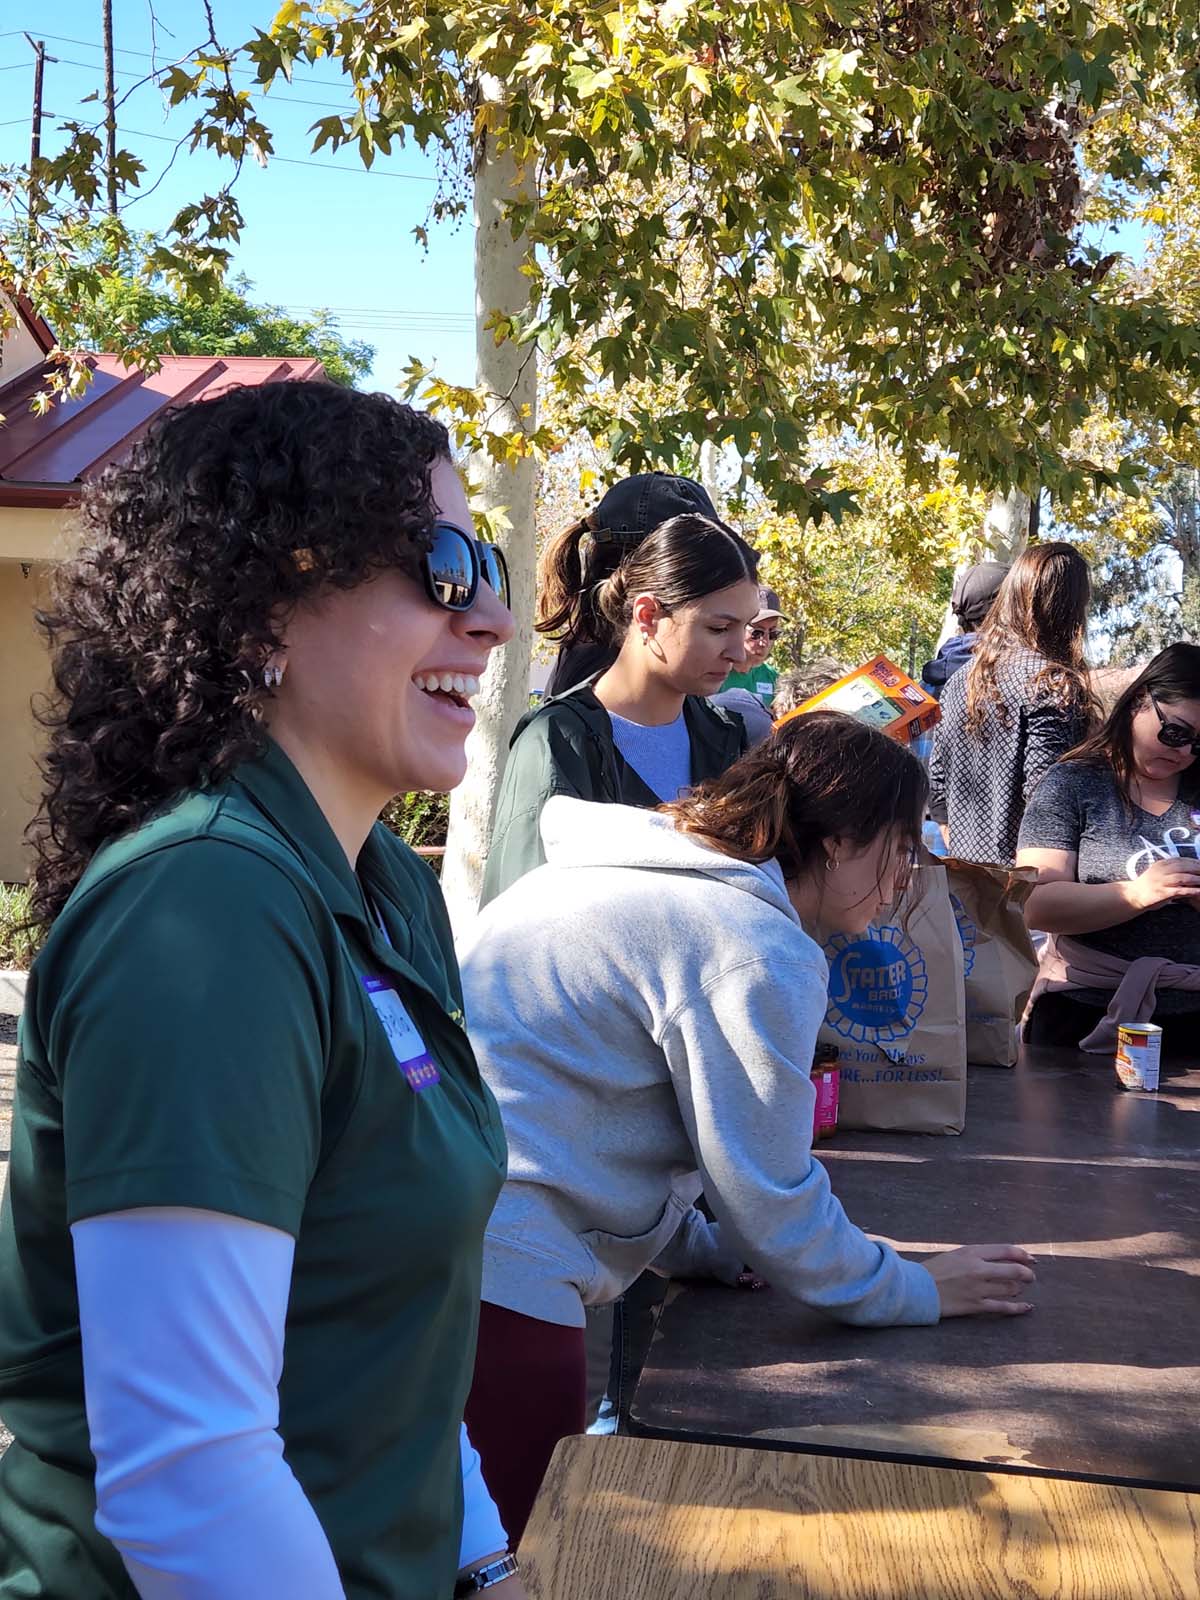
(638, 505)
(975, 590)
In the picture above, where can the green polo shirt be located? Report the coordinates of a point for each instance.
(198, 1032)
(759, 680)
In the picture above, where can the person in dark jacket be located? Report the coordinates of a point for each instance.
(641, 732)
(592, 549)
(974, 592)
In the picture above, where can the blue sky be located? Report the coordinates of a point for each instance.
(329, 234)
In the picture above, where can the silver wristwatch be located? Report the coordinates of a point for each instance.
(486, 1577)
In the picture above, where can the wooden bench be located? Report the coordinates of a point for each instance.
(649, 1519)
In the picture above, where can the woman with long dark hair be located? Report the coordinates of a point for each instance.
(1022, 703)
(675, 612)
(646, 1008)
(252, 1154)
(577, 561)
(1114, 833)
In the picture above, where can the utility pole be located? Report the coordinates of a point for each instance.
(110, 112)
(35, 136)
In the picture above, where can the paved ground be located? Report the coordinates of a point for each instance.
(9, 1007)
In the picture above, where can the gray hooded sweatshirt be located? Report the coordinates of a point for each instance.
(645, 1011)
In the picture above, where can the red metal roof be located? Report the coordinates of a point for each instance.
(45, 459)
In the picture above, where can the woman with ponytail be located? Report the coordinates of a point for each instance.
(590, 550)
(674, 613)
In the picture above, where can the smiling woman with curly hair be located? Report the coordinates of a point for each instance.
(252, 1155)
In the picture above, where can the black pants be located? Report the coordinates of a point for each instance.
(1059, 1020)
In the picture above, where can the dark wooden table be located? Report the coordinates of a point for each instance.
(1101, 1380)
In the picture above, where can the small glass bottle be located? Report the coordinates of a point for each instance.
(825, 1076)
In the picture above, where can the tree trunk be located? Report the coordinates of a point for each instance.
(1184, 502)
(1006, 527)
(1003, 536)
(509, 372)
(708, 472)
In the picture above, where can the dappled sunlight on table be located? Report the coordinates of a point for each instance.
(650, 1518)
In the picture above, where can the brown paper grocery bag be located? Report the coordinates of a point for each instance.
(999, 961)
(897, 1015)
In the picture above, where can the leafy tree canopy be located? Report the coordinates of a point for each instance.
(888, 208)
(133, 302)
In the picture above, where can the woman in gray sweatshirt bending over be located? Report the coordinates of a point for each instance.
(644, 1007)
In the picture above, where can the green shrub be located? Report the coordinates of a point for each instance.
(420, 819)
(18, 945)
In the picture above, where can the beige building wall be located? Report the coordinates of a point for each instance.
(30, 533)
(24, 673)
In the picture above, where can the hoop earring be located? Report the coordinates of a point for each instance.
(832, 863)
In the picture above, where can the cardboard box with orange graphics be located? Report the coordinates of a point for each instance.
(879, 693)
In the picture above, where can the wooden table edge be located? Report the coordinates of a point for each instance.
(801, 1447)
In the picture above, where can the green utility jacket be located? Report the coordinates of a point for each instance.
(566, 746)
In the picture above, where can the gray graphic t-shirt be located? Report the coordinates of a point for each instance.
(1078, 807)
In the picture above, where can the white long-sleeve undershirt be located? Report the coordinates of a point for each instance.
(182, 1315)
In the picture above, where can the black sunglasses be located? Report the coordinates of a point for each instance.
(1175, 735)
(454, 564)
(761, 634)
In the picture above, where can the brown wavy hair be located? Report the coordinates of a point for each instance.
(1042, 605)
(572, 564)
(817, 776)
(228, 513)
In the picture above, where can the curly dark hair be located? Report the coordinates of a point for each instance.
(228, 513)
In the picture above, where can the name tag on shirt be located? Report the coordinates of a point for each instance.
(408, 1047)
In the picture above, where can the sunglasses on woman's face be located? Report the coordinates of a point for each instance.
(1175, 735)
(454, 564)
(762, 635)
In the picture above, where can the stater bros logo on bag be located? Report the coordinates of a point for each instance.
(877, 985)
(896, 1012)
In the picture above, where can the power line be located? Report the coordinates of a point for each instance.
(294, 161)
(373, 311)
(146, 55)
(274, 96)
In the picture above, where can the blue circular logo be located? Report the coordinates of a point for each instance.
(877, 985)
(968, 934)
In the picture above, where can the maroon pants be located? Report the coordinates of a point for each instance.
(529, 1391)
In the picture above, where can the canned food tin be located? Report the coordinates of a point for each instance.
(1139, 1049)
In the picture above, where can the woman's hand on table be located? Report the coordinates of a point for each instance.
(749, 1279)
(982, 1278)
